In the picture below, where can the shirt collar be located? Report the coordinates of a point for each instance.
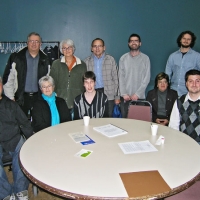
(188, 97)
(78, 60)
(103, 55)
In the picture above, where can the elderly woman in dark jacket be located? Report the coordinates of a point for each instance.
(162, 99)
(49, 110)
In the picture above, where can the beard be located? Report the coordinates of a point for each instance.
(185, 46)
(135, 48)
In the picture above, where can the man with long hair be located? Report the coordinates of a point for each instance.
(181, 61)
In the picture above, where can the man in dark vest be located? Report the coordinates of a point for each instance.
(185, 115)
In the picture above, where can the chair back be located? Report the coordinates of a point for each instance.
(140, 110)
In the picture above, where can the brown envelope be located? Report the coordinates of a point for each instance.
(138, 184)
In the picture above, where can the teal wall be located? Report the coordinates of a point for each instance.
(158, 22)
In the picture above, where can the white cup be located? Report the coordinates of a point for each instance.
(154, 128)
(86, 120)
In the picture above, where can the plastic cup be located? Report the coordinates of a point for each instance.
(154, 129)
(86, 120)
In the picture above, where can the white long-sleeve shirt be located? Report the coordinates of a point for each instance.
(175, 115)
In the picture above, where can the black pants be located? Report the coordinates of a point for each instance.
(29, 100)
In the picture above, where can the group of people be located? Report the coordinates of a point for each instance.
(71, 89)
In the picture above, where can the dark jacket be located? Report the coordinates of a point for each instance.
(21, 68)
(152, 97)
(41, 114)
(12, 119)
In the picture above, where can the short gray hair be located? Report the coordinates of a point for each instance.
(0, 79)
(46, 78)
(68, 42)
(34, 33)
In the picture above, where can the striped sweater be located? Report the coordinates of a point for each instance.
(97, 109)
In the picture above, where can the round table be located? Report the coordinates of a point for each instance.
(48, 159)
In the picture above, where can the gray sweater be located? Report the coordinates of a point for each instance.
(134, 74)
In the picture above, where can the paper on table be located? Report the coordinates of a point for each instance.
(110, 130)
(79, 137)
(137, 147)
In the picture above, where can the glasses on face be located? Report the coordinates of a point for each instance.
(46, 87)
(67, 48)
(97, 46)
(34, 41)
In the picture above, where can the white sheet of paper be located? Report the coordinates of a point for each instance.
(78, 137)
(110, 130)
(137, 147)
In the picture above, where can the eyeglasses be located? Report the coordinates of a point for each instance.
(46, 87)
(97, 46)
(67, 48)
(34, 41)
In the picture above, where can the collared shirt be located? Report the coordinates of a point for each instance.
(178, 65)
(98, 63)
(175, 115)
(31, 84)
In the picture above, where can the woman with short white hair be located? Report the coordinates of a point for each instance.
(49, 110)
(67, 73)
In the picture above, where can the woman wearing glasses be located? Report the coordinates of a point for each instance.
(48, 110)
(67, 73)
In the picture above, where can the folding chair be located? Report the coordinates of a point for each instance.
(141, 110)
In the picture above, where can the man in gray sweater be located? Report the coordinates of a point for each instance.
(134, 74)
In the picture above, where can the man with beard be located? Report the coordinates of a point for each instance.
(134, 74)
(182, 61)
(185, 113)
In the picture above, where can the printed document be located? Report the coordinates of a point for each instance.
(110, 130)
(137, 147)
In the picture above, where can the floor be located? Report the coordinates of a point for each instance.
(42, 195)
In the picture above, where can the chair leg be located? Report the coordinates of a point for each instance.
(35, 190)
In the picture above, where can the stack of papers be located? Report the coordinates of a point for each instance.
(110, 130)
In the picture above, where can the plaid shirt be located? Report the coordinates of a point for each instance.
(109, 72)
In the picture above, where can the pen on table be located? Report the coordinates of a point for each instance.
(120, 128)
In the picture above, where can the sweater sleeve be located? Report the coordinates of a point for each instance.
(76, 114)
(145, 81)
(122, 81)
(105, 107)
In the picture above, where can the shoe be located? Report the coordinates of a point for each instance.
(22, 195)
(12, 197)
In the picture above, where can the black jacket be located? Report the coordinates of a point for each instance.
(12, 119)
(41, 113)
(21, 68)
(152, 97)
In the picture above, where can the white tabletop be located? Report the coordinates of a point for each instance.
(47, 158)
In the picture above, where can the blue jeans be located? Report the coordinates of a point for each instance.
(20, 182)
